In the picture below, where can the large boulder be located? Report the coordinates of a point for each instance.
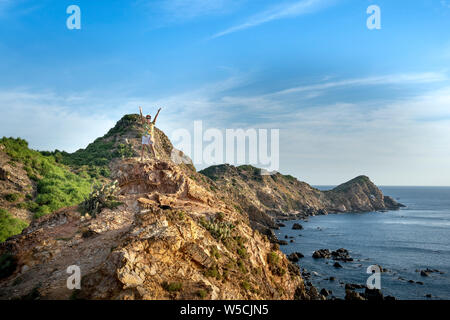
(295, 256)
(297, 226)
(341, 255)
(353, 296)
(322, 254)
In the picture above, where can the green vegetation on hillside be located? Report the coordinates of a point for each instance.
(94, 160)
(250, 169)
(10, 226)
(57, 187)
(99, 153)
(123, 125)
(12, 197)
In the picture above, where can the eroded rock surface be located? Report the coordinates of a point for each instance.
(171, 238)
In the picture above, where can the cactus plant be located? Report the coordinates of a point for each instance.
(101, 196)
(219, 230)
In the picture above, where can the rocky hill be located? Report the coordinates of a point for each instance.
(34, 183)
(122, 141)
(170, 238)
(163, 231)
(266, 198)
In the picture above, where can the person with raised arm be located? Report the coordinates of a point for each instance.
(148, 139)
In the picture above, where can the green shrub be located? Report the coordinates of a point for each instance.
(220, 216)
(9, 225)
(246, 285)
(219, 230)
(238, 209)
(242, 267)
(176, 215)
(124, 151)
(12, 197)
(242, 252)
(100, 152)
(202, 293)
(101, 197)
(173, 286)
(213, 272)
(214, 252)
(29, 205)
(273, 258)
(8, 264)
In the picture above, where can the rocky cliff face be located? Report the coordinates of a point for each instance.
(14, 181)
(169, 239)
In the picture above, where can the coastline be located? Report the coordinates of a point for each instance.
(420, 280)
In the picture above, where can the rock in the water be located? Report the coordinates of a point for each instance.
(314, 294)
(373, 294)
(354, 286)
(353, 296)
(424, 273)
(297, 226)
(295, 256)
(341, 255)
(337, 265)
(427, 272)
(325, 292)
(322, 254)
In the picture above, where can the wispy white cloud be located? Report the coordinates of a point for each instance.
(286, 10)
(408, 78)
(445, 3)
(293, 97)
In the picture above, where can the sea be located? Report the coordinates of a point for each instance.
(403, 242)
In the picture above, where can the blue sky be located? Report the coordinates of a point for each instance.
(348, 100)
